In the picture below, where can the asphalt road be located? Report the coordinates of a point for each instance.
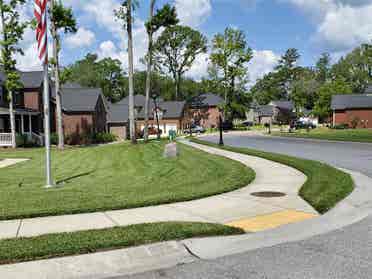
(345, 253)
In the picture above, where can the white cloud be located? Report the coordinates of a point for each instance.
(82, 38)
(193, 12)
(200, 67)
(340, 24)
(346, 27)
(262, 63)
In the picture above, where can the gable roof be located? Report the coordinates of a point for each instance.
(287, 105)
(206, 100)
(32, 79)
(266, 110)
(119, 112)
(80, 99)
(341, 102)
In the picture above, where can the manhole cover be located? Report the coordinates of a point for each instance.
(268, 194)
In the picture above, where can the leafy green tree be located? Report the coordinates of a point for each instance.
(12, 33)
(62, 19)
(164, 17)
(323, 104)
(229, 57)
(176, 50)
(268, 89)
(287, 71)
(106, 74)
(323, 68)
(304, 92)
(355, 68)
(124, 14)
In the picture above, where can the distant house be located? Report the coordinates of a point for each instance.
(353, 110)
(275, 112)
(171, 116)
(83, 109)
(204, 110)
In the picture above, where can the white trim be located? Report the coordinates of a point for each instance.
(5, 139)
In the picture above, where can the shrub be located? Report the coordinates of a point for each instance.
(355, 122)
(104, 138)
(342, 126)
(54, 138)
(23, 141)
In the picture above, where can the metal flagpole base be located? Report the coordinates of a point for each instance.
(50, 186)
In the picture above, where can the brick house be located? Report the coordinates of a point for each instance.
(353, 110)
(171, 116)
(275, 112)
(83, 109)
(204, 111)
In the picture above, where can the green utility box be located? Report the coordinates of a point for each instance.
(172, 135)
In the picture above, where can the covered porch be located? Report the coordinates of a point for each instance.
(28, 123)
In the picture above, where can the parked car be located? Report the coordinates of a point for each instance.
(302, 125)
(248, 123)
(195, 129)
(152, 132)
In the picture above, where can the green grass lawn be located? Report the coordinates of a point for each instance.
(354, 135)
(325, 185)
(65, 244)
(113, 177)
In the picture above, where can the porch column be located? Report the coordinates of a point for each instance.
(22, 124)
(30, 124)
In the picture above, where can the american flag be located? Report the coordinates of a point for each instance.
(40, 11)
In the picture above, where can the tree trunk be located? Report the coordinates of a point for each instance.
(132, 128)
(12, 120)
(61, 139)
(178, 86)
(148, 75)
(11, 105)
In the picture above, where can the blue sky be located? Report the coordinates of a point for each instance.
(271, 27)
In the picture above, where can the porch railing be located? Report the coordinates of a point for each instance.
(5, 139)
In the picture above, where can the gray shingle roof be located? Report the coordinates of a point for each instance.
(287, 105)
(80, 99)
(267, 110)
(32, 79)
(340, 102)
(207, 99)
(119, 112)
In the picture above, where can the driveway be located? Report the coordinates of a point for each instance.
(345, 253)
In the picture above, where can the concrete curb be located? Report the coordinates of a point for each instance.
(356, 207)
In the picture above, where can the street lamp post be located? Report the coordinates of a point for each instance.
(154, 97)
(221, 129)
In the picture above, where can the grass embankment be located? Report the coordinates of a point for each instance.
(352, 135)
(325, 186)
(113, 177)
(66, 244)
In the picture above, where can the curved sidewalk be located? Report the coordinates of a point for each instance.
(234, 208)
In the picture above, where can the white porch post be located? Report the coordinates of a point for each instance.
(30, 124)
(22, 124)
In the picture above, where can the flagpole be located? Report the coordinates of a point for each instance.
(48, 168)
(49, 181)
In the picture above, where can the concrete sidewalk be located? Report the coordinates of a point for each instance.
(10, 162)
(238, 208)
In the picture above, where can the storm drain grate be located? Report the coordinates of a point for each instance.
(268, 194)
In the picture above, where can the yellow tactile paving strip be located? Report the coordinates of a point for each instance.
(270, 221)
